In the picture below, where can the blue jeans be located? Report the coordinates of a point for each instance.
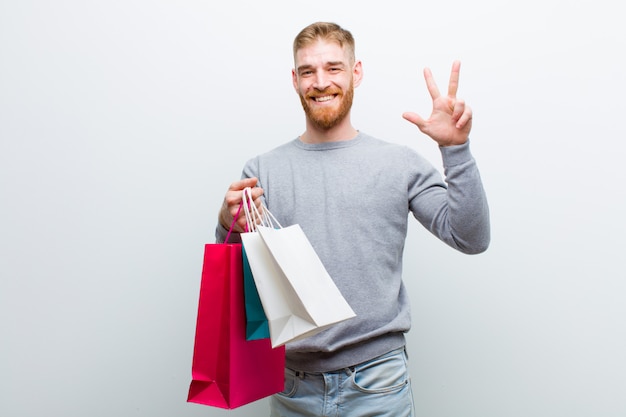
(379, 387)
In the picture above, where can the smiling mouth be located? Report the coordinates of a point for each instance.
(323, 99)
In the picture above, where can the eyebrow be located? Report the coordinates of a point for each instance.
(327, 64)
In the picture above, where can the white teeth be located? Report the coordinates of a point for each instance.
(325, 98)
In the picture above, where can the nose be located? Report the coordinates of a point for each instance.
(321, 81)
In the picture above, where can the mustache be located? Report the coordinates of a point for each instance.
(325, 92)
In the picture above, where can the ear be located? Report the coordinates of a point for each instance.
(357, 73)
(294, 79)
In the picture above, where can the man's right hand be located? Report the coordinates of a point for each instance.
(232, 200)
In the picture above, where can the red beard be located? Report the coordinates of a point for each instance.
(326, 118)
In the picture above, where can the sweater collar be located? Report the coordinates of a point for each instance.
(329, 145)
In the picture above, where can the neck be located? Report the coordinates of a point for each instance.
(341, 132)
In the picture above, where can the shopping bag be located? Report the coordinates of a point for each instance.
(229, 371)
(257, 326)
(298, 295)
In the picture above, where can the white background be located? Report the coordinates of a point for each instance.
(123, 122)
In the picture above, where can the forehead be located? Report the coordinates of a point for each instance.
(319, 53)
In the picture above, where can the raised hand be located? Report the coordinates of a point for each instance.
(451, 119)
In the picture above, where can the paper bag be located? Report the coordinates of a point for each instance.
(257, 326)
(228, 371)
(298, 295)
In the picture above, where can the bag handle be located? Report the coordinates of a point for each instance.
(255, 218)
(232, 225)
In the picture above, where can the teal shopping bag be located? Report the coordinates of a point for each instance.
(257, 326)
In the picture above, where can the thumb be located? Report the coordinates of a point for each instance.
(243, 183)
(250, 182)
(414, 118)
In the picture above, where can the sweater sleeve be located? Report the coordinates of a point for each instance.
(458, 213)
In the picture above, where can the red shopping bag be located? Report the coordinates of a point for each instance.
(229, 371)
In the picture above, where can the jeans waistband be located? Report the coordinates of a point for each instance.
(347, 370)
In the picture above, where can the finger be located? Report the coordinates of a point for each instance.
(232, 201)
(241, 225)
(234, 194)
(465, 118)
(243, 183)
(255, 197)
(414, 118)
(458, 109)
(259, 206)
(430, 84)
(229, 210)
(453, 86)
(228, 214)
(256, 193)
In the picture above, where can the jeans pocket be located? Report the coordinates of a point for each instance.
(291, 383)
(386, 373)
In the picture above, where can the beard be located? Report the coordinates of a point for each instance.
(325, 118)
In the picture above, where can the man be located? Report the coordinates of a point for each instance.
(352, 194)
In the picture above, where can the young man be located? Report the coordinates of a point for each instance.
(352, 195)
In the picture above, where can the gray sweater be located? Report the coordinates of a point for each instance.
(352, 200)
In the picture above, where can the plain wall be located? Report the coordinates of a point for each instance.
(122, 123)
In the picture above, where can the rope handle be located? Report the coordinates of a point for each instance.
(232, 225)
(254, 217)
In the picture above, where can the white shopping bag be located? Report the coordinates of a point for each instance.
(298, 295)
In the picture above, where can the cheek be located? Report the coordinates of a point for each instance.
(296, 84)
(302, 88)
